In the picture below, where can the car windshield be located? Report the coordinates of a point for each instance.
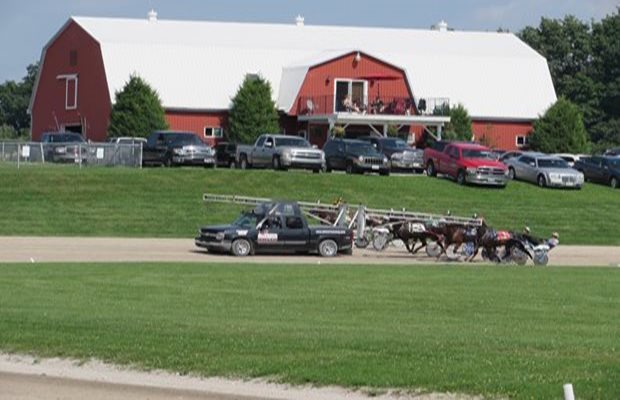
(362, 149)
(478, 153)
(246, 220)
(292, 142)
(552, 163)
(394, 143)
(184, 139)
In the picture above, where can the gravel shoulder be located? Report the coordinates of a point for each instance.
(28, 378)
(78, 249)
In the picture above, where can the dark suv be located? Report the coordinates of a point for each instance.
(64, 147)
(225, 154)
(401, 155)
(176, 148)
(354, 156)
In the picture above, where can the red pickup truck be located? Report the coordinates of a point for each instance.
(466, 163)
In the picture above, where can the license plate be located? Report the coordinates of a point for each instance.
(375, 167)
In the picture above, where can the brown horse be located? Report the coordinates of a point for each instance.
(413, 232)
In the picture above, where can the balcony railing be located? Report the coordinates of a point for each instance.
(385, 105)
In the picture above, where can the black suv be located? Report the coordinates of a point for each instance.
(176, 148)
(354, 156)
(64, 147)
(601, 169)
(225, 154)
(401, 155)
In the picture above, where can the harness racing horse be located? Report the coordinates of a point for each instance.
(412, 232)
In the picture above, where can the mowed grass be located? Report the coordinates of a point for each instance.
(65, 200)
(514, 332)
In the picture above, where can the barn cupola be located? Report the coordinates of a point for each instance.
(152, 15)
(442, 26)
(299, 21)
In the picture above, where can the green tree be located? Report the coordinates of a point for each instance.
(459, 127)
(560, 130)
(14, 102)
(137, 110)
(253, 111)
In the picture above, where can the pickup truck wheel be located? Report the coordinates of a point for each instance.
(349, 168)
(243, 162)
(511, 173)
(328, 248)
(613, 182)
(276, 164)
(241, 247)
(542, 182)
(430, 169)
(460, 178)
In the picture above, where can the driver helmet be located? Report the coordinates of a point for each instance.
(555, 235)
(526, 230)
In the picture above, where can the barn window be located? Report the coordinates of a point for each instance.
(73, 58)
(522, 141)
(213, 132)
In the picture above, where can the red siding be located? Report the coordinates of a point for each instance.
(196, 122)
(93, 101)
(320, 80)
(500, 135)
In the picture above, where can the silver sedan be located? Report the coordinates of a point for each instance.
(544, 170)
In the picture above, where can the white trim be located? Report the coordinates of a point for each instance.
(363, 119)
(68, 78)
(525, 140)
(213, 129)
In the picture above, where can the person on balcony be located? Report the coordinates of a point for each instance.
(349, 105)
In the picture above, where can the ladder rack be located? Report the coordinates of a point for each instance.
(340, 211)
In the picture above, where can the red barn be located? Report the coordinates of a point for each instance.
(360, 79)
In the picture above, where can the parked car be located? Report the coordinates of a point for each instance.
(465, 162)
(64, 147)
(225, 154)
(600, 169)
(613, 152)
(275, 228)
(545, 170)
(570, 159)
(176, 148)
(510, 154)
(127, 140)
(354, 156)
(401, 155)
(280, 152)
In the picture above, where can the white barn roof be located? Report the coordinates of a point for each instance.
(200, 65)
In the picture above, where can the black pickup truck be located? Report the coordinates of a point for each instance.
(278, 227)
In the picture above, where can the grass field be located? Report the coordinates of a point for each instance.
(64, 200)
(511, 332)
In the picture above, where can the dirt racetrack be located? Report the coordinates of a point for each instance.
(73, 249)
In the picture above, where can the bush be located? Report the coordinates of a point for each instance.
(137, 110)
(253, 111)
(560, 130)
(459, 127)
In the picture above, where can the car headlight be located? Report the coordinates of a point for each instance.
(60, 150)
(360, 158)
(397, 156)
(580, 178)
(287, 155)
(178, 152)
(472, 170)
(555, 177)
(220, 236)
(385, 160)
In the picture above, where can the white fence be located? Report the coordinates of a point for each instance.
(79, 154)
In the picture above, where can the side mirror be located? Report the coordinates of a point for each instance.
(268, 144)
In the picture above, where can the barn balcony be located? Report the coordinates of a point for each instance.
(363, 105)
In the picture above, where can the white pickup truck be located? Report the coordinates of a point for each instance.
(280, 152)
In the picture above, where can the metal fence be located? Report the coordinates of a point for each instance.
(79, 154)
